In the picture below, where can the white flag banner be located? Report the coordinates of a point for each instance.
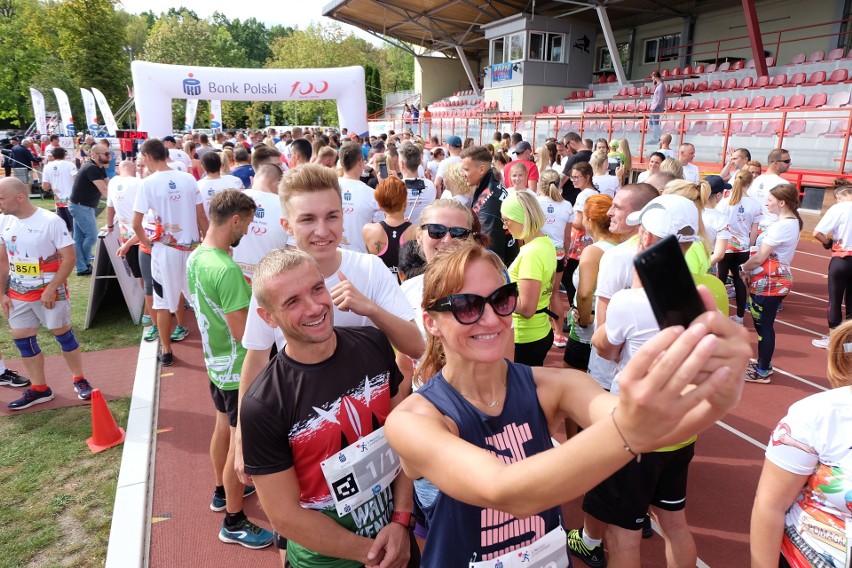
(216, 115)
(191, 109)
(64, 112)
(91, 111)
(38, 109)
(106, 112)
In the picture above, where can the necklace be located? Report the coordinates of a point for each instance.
(491, 404)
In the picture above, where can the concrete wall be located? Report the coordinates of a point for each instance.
(439, 77)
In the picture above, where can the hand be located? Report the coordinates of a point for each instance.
(107, 228)
(347, 298)
(6, 304)
(122, 251)
(391, 548)
(239, 464)
(828, 244)
(48, 297)
(619, 173)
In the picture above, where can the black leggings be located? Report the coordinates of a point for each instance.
(839, 289)
(730, 263)
(534, 352)
(763, 312)
(571, 265)
(66, 216)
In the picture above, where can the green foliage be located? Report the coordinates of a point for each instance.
(183, 40)
(373, 81)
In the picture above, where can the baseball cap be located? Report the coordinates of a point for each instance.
(668, 215)
(169, 139)
(454, 141)
(717, 184)
(522, 146)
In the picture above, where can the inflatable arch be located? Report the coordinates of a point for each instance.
(156, 84)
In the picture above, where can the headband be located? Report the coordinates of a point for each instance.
(512, 208)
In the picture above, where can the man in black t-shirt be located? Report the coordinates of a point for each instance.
(89, 186)
(316, 408)
(579, 154)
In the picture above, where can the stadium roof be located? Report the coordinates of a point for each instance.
(442, 25)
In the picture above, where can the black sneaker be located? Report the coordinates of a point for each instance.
(30, 398)
(594, 557)
(647, 529)
(10, 378)
(83, 388)
(166, 359)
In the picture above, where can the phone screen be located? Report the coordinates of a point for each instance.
(383, 169)
(668, 283)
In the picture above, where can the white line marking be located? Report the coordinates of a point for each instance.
(817, 333)
(800, 379)
(701, 564)
(811, 254)
(820, 274)
(745, 437)
(809, 296)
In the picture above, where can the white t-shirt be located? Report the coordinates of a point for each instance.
(668, 153)
(837, 223)
(784, 236)
(413, 290)
(690, 173)
(173, 197)
(740, 218)
(759, 190)
(580, 203)
(121, 195)
(181, 156)
(432, 166)
(445, 163)
(60, 175)
(264, 234)
(716, 225)
(178, 167)
(606, 184)
(630, 322)
(615, 271)
(557, 215)
(359, 208)
(418, 200)
(210, 187)
(813, 440)
(643, 176)
(367, 273)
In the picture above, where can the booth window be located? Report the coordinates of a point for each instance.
(516, 47)
(498, 54)
(546, 47)
(604, 59)
(663, 48)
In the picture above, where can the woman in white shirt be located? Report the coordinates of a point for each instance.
(803, 506)
(715, 222)
(601, 179)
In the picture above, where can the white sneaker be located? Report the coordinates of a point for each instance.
(822, 342)
(737, 319)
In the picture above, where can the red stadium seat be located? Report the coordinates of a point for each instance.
(697, 127)
(711, 68)
(610, 107)
(724, 66)
(749, 64)
(771, 128)
(699, 69)
(619, 108)
(737, 65)
(590, 108)
(736, 127)
(632, 91)
(543, 110)
(622, 92)
(573, 96)
(795, 101)
(675, 72)
(816, 128)
(551, 109)
(837, 129)
(795, 127)
(777, 81)
(708, 103)
(757, 102)
(729, 84)
(693, 104)
(560, 109)
(642, 106)
(796, 80)
(630, 106)
(816, 78)
(835, 54)
(679, 105)
(740, 103)
(761, 82)
(745, 83)
(717, 128)
(612, 79)
(701, 86)
(689, 87)
(816, 57)
(817, 100)
(715, 85)
(752, 128)
(837, 76)
(838, 99)
(798, 59)
(664, 73)
(677, 88)
(668, 127)
(590, 93)
(723, 104)
(687, 71)
(775, 102)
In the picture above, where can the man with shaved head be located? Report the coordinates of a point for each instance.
(36, 257)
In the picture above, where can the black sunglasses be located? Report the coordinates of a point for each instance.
(438, 231)
(468, 308)
(787, 161)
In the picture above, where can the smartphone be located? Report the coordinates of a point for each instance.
(614, 164)
(668, 283)
(383, 170)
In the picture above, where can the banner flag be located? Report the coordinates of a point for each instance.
(38, 108)
(109, 119)
(191, 108)
(91, 111)
(67, 128)
(216, 115)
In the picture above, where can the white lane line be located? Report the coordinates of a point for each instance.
(817, 333)
(809, 296)
(742, 435)
(820, 274)
(800, 379)
(811, 254)
(701, 564)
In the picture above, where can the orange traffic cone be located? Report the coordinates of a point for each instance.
(105, 432)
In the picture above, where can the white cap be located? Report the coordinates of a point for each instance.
(669, 215)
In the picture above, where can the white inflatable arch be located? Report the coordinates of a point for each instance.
(156, 84)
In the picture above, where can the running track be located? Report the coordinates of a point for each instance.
(723, 475)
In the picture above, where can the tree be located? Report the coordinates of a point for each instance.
(375, 102)
(397, 69)
(20, 61)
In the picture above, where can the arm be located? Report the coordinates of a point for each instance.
(578, 220)
(529, 294)
(752, 234)
(101, 185)
(776, 491)
(122, 250)
(757, 259)
(236, 321)
(372, 238)
(604, 348)
(5, 302)
(202, 220)
(824, 240)
(719, 251)
(140, 232)
(66, 265)
(110, 210)
(589, 263)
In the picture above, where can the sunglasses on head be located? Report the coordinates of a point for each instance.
(438, 231)
(468, 308)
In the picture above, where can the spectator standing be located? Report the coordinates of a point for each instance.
(89, 187)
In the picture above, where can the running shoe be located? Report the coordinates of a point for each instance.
(166, 359)
(737, 319)
(732, 293)
(753, 365)
(180, 333)
(218, 502)
(822, 342)
(560, 341)
(151, 334)
(146, 320)
(30, 398)
(83, 388)
(10, 378)
(753, 375)
(594, 557)
(247, 534)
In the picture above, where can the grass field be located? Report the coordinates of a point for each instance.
(57, 498)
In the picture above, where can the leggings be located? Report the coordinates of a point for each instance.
(730, 264)
(571, 265)
(763, 312)
(65, 215)
(839, 289)
(145, 269)
(534, 352)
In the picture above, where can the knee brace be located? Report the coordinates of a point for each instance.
(28, 346)
(67, 341)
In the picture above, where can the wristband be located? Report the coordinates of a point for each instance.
(405, 519)
(623, 439)
(110, 226)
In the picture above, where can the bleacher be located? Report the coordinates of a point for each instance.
(462, 104)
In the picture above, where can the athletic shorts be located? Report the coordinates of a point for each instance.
(25, 315)
(577, 354)
(560, 265)
(133, 261)
(226, 402)
(168, 273)
(145, 269)
(659, 480)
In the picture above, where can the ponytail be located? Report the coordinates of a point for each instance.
(742, 181)
(547, 185)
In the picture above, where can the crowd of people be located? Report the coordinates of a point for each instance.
(366, 304)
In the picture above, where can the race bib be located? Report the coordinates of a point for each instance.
(27, 268)
(550, 551)
(359, 472)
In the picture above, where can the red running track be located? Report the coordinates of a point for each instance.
(723, 475)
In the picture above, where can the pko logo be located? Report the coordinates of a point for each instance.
(191, 86)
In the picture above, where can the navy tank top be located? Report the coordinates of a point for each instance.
(460, 533)
(390, 254)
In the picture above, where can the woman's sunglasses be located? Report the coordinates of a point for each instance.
(468, 308)
(438, 231)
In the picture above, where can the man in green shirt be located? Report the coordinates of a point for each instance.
(221, 296)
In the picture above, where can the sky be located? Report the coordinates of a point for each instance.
(295, 13)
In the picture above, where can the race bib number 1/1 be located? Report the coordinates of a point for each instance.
(550, 551)
(27, 268)
(359, 472)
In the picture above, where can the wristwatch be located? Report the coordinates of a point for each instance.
(406, 519)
